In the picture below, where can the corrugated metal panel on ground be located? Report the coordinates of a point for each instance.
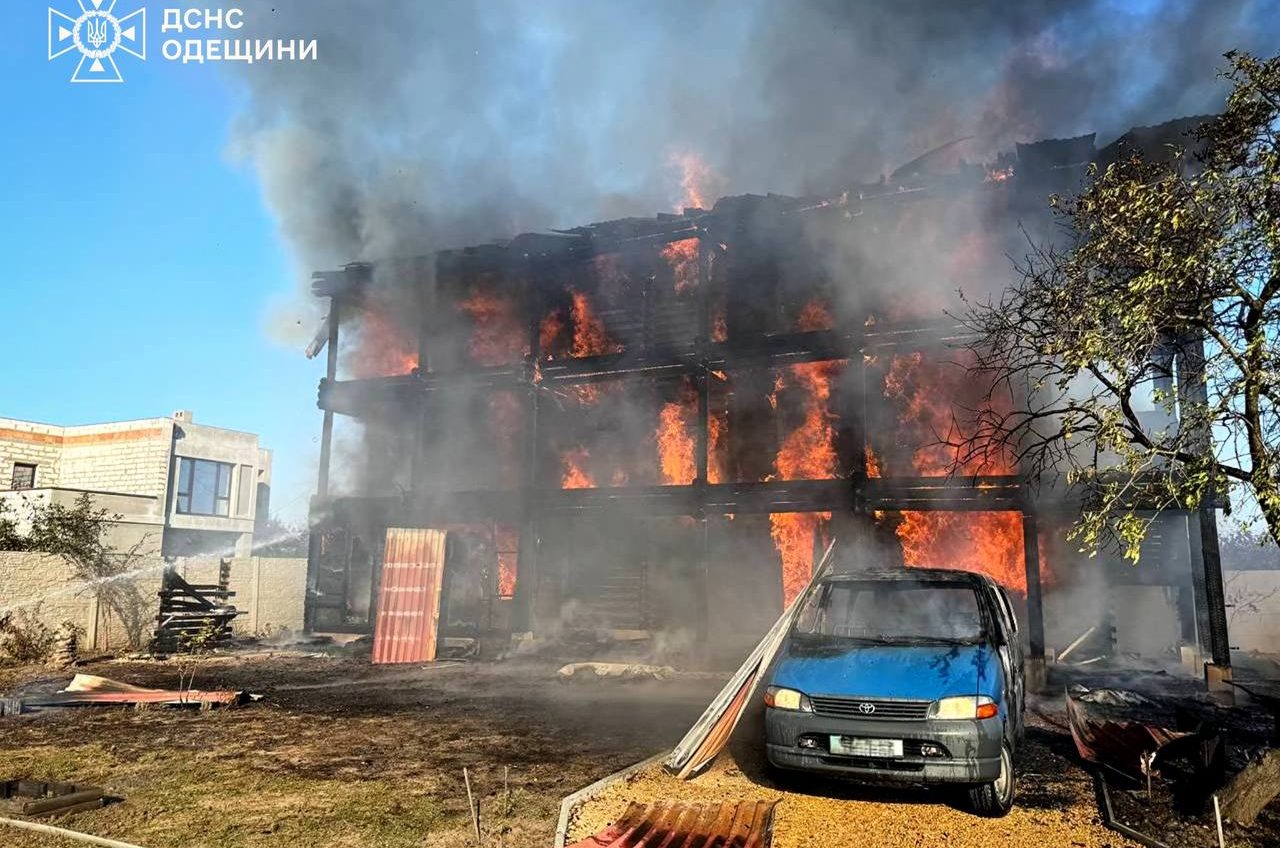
(1120, 745)
(409, 596)
(672, 824)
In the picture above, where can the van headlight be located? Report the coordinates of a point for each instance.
(781, 698)
(964, 707)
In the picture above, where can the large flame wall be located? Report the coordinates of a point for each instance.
(789, 423)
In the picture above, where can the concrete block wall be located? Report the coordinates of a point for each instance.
(44, 585)
(271, 590)
(1253, 610)
(37, 444)
(130, 456)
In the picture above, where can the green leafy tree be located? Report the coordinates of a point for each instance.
(1166, 290)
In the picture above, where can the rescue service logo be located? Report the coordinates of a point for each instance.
(97, 34)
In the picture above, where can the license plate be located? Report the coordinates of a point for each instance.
(850, 746)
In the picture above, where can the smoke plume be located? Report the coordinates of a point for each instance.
(431, 125)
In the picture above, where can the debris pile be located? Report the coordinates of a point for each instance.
(194, 616)
(91, 690)
(36, 799)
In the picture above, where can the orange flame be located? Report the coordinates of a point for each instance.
(987, 542)
(717, 429)
(496, 337)
(696, 177)
(793, 535)
(589, 335)
(807, 453)
(873, 464)
(550, 332)
(507, 542)
(926, 393)
(814, 316)
(676, 462)
(382, 347)
(682, 256)
(574, 475)
(719, 326)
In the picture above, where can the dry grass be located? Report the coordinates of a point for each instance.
(375, 760)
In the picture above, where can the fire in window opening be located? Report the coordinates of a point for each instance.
(204, 487)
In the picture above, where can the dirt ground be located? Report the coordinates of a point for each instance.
(340, 753)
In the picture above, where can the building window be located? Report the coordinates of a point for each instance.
(204, 487)
(24, 476)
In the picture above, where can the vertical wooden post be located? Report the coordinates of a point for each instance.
(702, 382)
(322, 483)
(1036, 670)
(527, 548)
(330, 374)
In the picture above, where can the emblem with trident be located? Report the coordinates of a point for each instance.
(97, 34)
(97, 31)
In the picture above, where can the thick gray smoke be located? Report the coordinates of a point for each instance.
(428, 125)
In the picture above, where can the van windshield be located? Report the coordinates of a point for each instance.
(892, 612)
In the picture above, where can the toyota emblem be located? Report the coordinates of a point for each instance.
(866, 709)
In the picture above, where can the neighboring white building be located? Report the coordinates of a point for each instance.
(192, 488)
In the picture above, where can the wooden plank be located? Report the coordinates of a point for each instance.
(711, 732)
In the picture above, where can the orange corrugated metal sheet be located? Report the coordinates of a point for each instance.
(672, 824)
(409, 596)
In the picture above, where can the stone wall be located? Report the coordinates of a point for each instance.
(270, 591)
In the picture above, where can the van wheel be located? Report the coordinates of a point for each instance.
(994, 799)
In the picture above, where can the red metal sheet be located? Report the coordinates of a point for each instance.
(409, 596)
(672, 824)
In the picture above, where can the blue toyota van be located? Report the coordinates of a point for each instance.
(906, 676)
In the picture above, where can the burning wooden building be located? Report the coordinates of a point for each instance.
(651, 424)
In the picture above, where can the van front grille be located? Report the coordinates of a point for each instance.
(869, 708)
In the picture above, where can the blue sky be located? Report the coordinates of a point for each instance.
(139, 261)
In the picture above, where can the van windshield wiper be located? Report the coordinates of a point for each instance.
(934, 640)
(842, 639)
